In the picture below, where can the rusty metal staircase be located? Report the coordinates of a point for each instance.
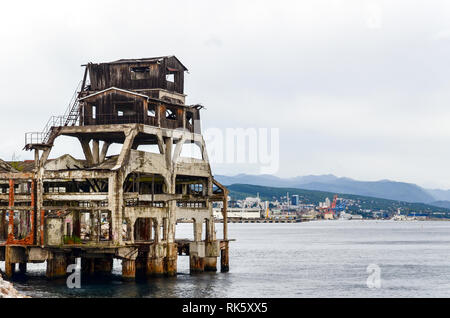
(70, 118)
(72, 113)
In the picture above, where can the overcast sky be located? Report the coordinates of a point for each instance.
(357, 88)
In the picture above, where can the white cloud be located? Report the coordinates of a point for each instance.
(357, 88)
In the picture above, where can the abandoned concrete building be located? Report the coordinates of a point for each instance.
(124, 206)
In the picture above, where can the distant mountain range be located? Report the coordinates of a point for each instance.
(385, 189)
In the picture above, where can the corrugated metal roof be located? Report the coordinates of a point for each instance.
(146, 60)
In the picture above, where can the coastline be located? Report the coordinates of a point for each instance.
(7, 290)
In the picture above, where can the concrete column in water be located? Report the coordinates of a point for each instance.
(197, 250)
(103, 265)
(171, 255)
(22, 268)
(56, 265)
(128, 269)
(196, 257)
(14, 255)
(211, 253)
(224, 261)
(87, 266)
(155, 261)
(170, 261)
(211, 247)
(10, 267)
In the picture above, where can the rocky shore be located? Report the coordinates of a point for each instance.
(7, 290)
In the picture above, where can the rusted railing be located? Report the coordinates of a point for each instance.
(44, 136)
(70, 117)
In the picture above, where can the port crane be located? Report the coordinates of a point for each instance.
(335, 206)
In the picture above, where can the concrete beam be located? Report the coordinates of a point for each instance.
(96, 151)
(126, 148)
(104, 151)
(93, 196)
(76, 174)
(87, 150)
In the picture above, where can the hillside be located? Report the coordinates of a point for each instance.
(241, 191)
(384, 189)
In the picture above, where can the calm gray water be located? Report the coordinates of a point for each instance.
(315, 259)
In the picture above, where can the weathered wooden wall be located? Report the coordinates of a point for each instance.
(105, 75)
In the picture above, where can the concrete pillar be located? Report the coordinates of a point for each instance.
(56, 265)
(196, 264)
(196, 257)
(207, 230)
(165, 224)
(36, 158)
(128, 269)
(10, 267)
(87, 150)
(87, 266)
(212, 228)
(14, 255)
(170, 261)
(40, 220)
(94, 226)
(155, 266)
(23, 268)
(224, 261)
(197, 231)
(150, 228)
(211, 254)
(95, 151)
(141, 265)
(157, 230)
(104, 151)
(3, 227)
(155, 260)
(76, 224)
(115, 198)
(210, 264)
(96, 266)
(169, 143)
(103, 266)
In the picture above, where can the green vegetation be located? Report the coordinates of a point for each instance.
(17, 165)
(360, 203)
(72, 239)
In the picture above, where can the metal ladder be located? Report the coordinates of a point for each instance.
(72, 113)
(70, 118)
